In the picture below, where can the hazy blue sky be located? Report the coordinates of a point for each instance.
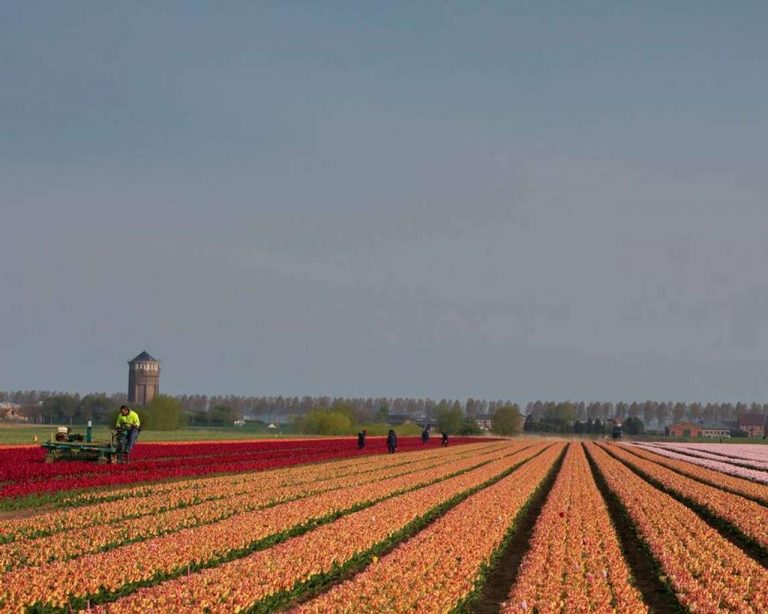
(491, 199)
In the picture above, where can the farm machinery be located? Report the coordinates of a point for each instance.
(65, 445)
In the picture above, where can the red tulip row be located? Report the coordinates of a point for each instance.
(706, 571)
(147, 561)
(440, 567)
(157, 498)
(575, 560)
(749, 517)
(27, 474)
(746, 488)
(244, 583)
(110, 534)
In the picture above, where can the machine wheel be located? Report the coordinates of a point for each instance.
(50, 457)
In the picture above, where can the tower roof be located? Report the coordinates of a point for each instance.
(143, 357)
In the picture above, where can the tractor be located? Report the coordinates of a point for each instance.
(65, 445)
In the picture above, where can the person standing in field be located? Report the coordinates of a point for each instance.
(128, 420)
(425, 436)
(361, 439)
(391, 441)
(444, 440)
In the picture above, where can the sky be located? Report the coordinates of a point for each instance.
(518, 200)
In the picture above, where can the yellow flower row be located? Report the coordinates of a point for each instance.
(236, 586)
(574, 557)
(440, 566)
(53, 583)
(66, 545)
(747, 488)
(142, 500)
(708, 573)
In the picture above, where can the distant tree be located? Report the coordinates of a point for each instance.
(163, 413)
(449, 419)
(325, 422)
(61, 408)
(222, 415)
(97, 407)
(678, 411)
(506, 420)
(634, 426)
(469, 426)
(382, 414)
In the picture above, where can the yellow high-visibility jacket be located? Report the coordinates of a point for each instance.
(132, 419)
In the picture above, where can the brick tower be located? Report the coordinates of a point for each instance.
(143, 379)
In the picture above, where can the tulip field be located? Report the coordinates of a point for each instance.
(313, 526)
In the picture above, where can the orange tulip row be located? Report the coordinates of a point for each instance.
(749, 517)
(239, 585)
(441, 566)
(706, 571)
(67, 545)
(139, 501)
(752, 490)
(53, 583)
(574, 557)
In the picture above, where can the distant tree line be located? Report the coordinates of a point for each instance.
(324, 415)
(579, 417)
(455, 416)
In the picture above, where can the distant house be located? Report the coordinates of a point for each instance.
(11, 412)
(716, 430)
(484, 421)
(691, 430)
(683, 429)
(752, 424)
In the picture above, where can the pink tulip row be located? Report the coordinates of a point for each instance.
(70, 544)
(749, 517)
(707, 572)
(746, 488)
(53, 583)
(738, 451)
(238, 585)
(575, 561)
(715, 465)
(710, 454)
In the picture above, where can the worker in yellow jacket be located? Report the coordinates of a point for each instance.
(128, 420)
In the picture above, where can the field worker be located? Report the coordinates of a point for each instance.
(391, 441)
(128, 420)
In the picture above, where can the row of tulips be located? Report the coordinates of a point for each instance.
(741, 451)
(575, 561)
(441, 567)
(747, 516)
(706, 571)
(755, 475)
(99, 537)
(128, 504)
(752, 490)
(267, 579)
(151, 560)
(710, 454)
(31, 476)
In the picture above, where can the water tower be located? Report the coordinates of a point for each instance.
(143, 379)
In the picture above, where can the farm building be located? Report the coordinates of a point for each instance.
(683, 429)
(11, 412)
(753, 424)
(692, 430)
